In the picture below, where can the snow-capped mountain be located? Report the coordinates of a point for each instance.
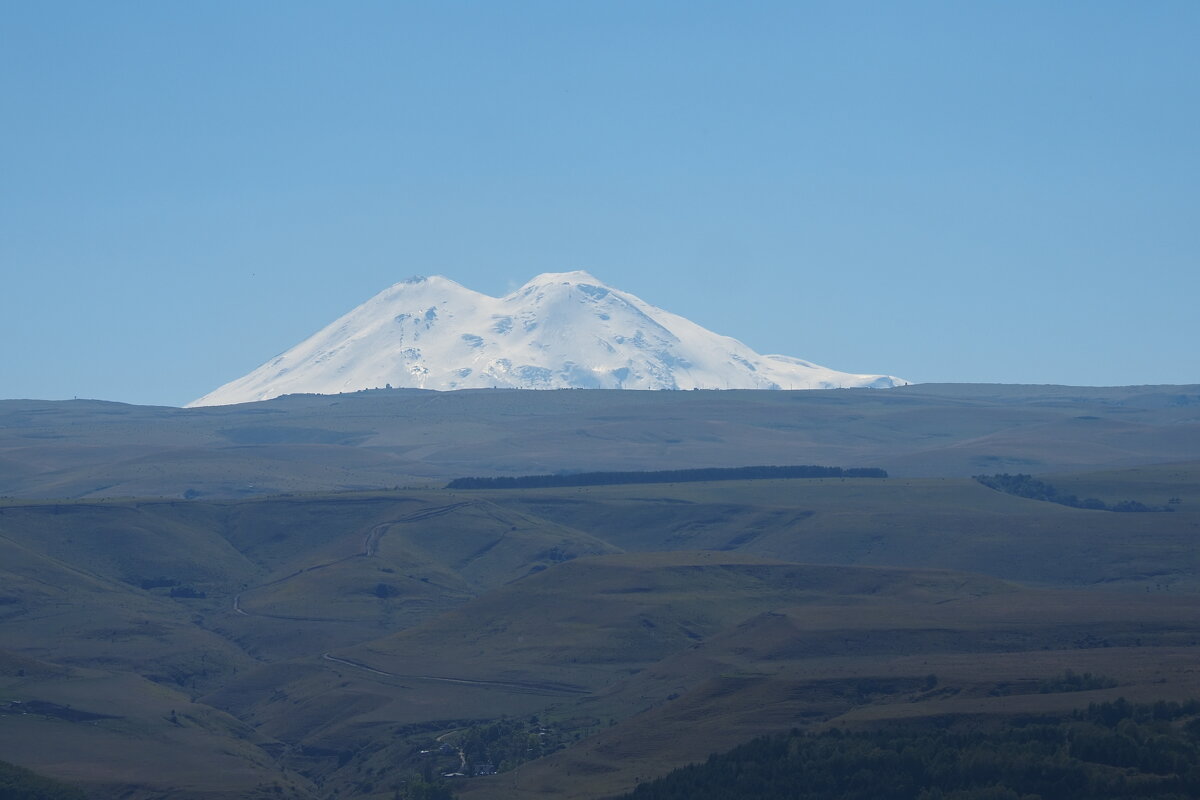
(560, 330)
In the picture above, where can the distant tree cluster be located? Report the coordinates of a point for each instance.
(1030, 487)
(157, 583)
(1072, 681)
(666, 476)
(422, 790)
(507, 743)
(1112, 750)
(18, 783)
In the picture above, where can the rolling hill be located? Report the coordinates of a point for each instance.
(320, 642)
(388, 438)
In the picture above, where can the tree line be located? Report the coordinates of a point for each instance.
(1109, 751)
(1030, 487)
(666, 476)
(18, 783)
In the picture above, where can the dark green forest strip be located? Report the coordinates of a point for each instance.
(1029, 487)
(18, 783)
(1111, 750)
(665, 476)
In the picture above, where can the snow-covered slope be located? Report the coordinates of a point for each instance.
(560, 330)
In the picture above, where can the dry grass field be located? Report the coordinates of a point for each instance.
(405, 437)
(311, 644)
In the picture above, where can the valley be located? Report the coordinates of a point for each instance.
(314, 644)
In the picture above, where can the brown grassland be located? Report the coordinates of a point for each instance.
(310, 644)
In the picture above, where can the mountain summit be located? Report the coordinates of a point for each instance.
(560, 330)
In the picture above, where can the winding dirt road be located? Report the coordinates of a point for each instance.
(511, 686)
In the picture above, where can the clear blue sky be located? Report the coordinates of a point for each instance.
(945, 191)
